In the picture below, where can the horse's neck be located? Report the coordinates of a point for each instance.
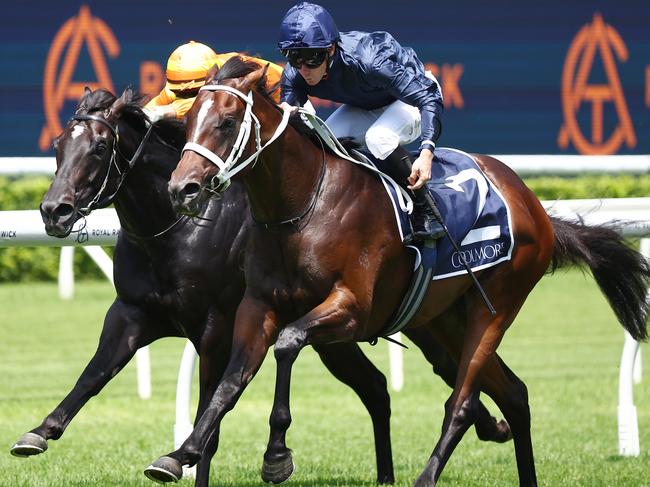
(286, 178)
(142, 203)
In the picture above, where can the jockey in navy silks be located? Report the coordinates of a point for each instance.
(388, 99)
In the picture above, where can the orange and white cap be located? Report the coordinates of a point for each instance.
(188, 65)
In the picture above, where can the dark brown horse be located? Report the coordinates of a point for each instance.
(327, 265)
(174, 277)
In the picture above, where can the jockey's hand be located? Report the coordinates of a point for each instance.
(159, 112)
(290, 108)
(421, 170)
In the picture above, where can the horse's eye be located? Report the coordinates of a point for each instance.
(100, 149)
(227, 124)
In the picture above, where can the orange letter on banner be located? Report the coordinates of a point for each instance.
(152, 78)
(58, 83)
(597, 38)
(450, 89)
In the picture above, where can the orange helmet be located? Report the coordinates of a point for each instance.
(188, 65)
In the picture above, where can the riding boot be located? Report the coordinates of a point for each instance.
(426, 226)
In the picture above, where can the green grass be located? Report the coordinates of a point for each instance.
(565, 345)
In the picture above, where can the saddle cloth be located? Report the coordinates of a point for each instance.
(474, 211)
(476, 216)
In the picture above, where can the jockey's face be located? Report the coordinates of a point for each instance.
(313, 75)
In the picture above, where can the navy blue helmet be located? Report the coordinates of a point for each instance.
(307, 26)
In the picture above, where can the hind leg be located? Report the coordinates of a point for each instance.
(350, 365)
(511, 395)
(477, 346)
(487, 427)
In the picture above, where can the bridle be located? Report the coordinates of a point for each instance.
(99, 200)
(232, 165)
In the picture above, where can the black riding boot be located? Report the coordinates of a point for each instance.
(425, 224)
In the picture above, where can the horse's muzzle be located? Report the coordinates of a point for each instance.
(58, 218)
(185, 197)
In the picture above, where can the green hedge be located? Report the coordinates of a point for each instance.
(591, 186)
(25, 264)
(35, 263)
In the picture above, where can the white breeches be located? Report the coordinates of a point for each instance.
(381, 130)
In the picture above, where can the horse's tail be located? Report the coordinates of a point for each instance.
(622, 273)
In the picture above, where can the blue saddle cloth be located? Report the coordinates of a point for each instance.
(474, 211)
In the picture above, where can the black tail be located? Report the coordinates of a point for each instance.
(622, 273)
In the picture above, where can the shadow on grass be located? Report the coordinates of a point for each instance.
(329, 481)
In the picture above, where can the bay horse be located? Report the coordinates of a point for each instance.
(327, 265)
(174, 276)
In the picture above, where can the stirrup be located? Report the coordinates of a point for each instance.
(430, 230)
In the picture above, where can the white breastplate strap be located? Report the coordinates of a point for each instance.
(231, 166)
(325, 133)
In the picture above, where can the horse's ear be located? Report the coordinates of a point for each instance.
(82, 100)
(118, 105)
(252, 79)
(212, 72)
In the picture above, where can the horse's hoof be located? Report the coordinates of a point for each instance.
(496, 431)
(29, 444)
(278, 471)
(165, 469)
(504, 433)
(386, 479)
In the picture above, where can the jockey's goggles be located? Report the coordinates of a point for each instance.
(312, 58)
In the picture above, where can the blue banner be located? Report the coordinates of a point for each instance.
(517, 77)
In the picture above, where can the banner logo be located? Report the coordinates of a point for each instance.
(597, 38)
(58, 87)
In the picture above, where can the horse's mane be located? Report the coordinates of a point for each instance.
(237, 67)
(168, 132)
(94, 101)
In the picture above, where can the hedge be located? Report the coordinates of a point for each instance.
(25, 193)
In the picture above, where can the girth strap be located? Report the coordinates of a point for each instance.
(412, 300)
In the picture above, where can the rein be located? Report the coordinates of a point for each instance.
(326, 134)
(99, 200)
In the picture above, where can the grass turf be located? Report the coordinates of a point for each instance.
(565, 345)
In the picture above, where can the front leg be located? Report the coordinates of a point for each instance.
(255, 331)
(126, 328)
(334, 320)
(214, 352)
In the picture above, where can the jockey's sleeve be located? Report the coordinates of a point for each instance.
(416, 89)
(182, 105)
(291, 90)
(165, 97)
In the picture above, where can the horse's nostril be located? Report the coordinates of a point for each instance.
(53, 211)
(191, 190)
(63, 210)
